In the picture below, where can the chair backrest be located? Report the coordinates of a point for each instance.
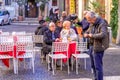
(60, 47)
(80, 39)
(30, 34)
(5, 33)
(20, 33)
(81, 46)
(6, 38)
(24, 46)
(38, 38)
(6, 46)
(25, 38)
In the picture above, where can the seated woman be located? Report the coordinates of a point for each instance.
(67, 34)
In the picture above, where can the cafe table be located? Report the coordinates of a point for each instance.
(71, 50)
(12, 53)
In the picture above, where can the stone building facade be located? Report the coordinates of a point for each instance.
(63, 5)
(81, 5)
(32, 10)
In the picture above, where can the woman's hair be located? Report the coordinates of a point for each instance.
(66, 22)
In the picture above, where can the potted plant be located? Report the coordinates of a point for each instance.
(21, 4)
(42, 5)
(47, 19)
(20, 17)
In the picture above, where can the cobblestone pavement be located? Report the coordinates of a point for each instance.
(111, 65)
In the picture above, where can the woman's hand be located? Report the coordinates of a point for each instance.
(57, 39)
(86, 35)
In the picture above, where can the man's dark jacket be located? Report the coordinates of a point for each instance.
(100, 39)
(48, 37)
(55, 17)
(85, 24)
(42, 30)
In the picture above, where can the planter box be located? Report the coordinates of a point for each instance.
(113, 40)
(20, 18)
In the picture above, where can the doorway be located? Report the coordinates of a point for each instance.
(31, 9)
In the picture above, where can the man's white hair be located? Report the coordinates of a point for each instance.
(66, 22)
(91, 14)
(85, 12)
(51, 24)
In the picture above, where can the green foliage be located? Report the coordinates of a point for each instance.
(97, 7)
(76, 25)
(114, 18)
(42, 7)
(21, 3)
(47, 19)
(20, 11)
(43, 2)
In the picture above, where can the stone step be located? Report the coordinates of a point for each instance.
(31, 19)
(27, 21)
(25, 24)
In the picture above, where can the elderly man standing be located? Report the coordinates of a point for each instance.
(97, 33)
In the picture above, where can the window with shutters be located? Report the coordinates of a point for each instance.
(54, 2)
(7, 2)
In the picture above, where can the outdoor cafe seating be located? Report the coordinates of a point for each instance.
(21, 45)
(65, 50)
(16, 46)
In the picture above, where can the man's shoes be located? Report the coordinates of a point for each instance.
(94, 78)
(44, 58)
(57, 65)
(70, 64)
(50, 67)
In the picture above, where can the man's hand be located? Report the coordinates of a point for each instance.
(86, 35)
(57, 39)
(90, 35)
